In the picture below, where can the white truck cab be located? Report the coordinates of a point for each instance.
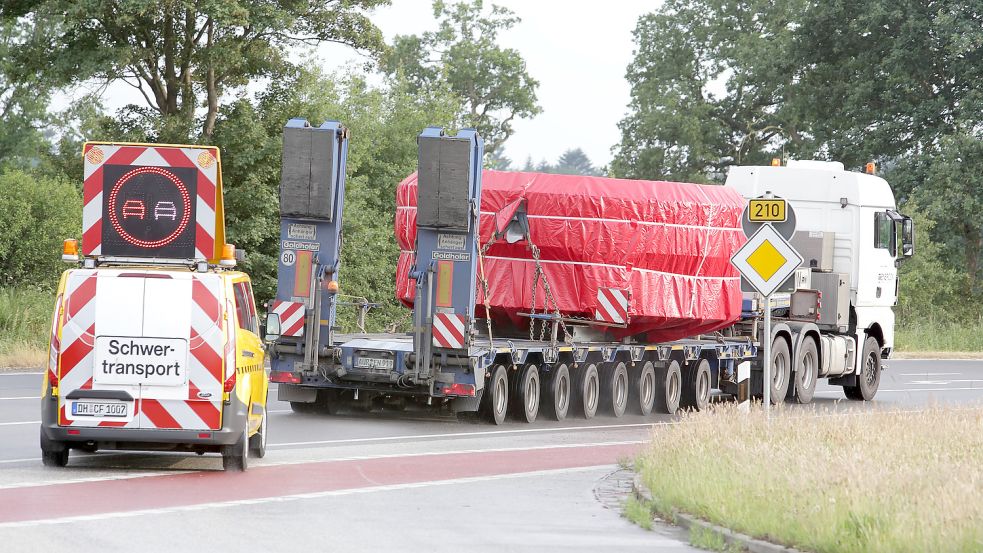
(857, 213)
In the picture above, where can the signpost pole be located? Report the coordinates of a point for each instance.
(766, 342)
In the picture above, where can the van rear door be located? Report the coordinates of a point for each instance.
(155, 339)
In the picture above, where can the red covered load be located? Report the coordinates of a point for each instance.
(664, 248)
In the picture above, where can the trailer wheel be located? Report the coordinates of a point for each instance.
(525, 395)
(556, 394)
(696, 388)
(869, 378)
(614, 389)
(781, 370)
(235, 457)
(588, 391)
(496, 397)
(806, 372)
(670, 384)
(643, 390)
(53, 453)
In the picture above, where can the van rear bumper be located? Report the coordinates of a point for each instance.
(233, 423)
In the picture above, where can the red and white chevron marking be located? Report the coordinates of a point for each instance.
(291, 317)
(54, 347)
(98, 155)
(612, 305)
(449, 330)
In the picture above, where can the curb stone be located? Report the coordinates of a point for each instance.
(729, 536)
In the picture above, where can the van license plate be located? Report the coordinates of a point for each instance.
(99, 409)
(373, 363)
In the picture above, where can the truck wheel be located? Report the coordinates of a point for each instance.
(53, 453)
(869, 378)
(301, 407)
(525, 396)
(496, 397)
(257, 443)
(615, 389)
(669, 380)
(696, 388)
(235, 457)
(643, 390)
(781, 370)
(556, 395)
(588, 391)
(806, 372)
(330, 401)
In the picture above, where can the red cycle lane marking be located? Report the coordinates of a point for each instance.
(177, 490)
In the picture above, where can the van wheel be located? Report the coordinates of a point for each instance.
(235, 457)
(53, 453)
(257, 443)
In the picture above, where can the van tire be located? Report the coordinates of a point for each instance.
(53, 453)
(235, 457)
(257, 443)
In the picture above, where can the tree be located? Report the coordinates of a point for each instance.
(575, 162)
(464, 55)
(23, 102)
(710, 84)
(176, 52)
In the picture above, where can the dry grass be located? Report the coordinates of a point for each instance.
(25, 323)
(870, 482)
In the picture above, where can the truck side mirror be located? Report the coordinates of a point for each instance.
(272, 327)
(907, 237)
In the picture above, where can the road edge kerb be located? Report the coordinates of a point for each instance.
(686, 522)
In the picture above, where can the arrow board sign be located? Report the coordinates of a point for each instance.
(766, 260)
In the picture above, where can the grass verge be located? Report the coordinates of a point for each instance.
(867, 482)
(930, 336)
(25, 322)
(638, 512)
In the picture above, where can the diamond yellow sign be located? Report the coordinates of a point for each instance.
(766, 260)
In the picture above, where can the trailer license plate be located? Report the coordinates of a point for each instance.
(100, 409)
(373, 363)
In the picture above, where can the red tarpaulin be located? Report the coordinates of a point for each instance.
(667, 244)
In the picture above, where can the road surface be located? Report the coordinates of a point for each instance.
(373, 481)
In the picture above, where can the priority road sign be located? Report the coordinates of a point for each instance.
(766, 260)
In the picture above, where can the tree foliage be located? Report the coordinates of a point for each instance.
(181, 55)
(23, 102)
(464, 55)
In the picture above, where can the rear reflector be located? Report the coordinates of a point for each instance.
(284, 377)
(230, 384)
(204, 434)
(459, 390)
(73, 431)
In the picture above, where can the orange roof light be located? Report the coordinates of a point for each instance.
(776, 162)
(331, 286)
(871, 168)
(228, 256)
(70, 250)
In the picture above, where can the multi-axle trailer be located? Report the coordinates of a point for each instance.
(454, 359)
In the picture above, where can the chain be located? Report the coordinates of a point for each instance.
(484, 287)
(550, 299)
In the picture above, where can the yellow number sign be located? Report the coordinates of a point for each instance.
(766, 211)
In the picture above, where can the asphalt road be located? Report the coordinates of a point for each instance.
(373, 481)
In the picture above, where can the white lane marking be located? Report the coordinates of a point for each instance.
(281, 411)
(332, 460)
(21, 397)
(473, 434)
(31, 460)
(929, 374)
(976, 389)
(20, 374)
(87, 479)
(300, 496)
(19, 422)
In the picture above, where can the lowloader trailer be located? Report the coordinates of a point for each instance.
(453, 359)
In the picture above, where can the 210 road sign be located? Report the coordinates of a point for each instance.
(766, 210)
(766, 260)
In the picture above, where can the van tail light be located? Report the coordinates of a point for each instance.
(230, 383)
(283, 377)
(52, 379)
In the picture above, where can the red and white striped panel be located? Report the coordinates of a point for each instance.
(449, 330)
(205, 160)
(54, 348)
(612, 305)
(291, 317)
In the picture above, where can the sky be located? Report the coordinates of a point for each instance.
(578, 50)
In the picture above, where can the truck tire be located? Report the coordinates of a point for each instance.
(696, 385)
(614, 389)
(525, 393)
(556, 394)
(301, 407)
(588, 391)
(235, 457)
(806, 372)
(257, 442)
(869, 378)
(495, 400)
(669, 380)
(781, 370)
(642, 397)
(330, 401)
(53, 453)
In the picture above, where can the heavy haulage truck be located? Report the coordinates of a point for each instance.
(640, 315)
